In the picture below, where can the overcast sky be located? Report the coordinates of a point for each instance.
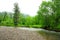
(26, 6)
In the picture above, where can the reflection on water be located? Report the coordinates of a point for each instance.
(50, 35)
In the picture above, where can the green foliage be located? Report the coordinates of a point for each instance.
(44, 14)
(48, 17)
(16, 14)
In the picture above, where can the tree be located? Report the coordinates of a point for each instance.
(1, 18)
(5, 18)
(44, 14)
(22, 19)
(56, 10)
(16, 14)
(28, 20)
(49, 15)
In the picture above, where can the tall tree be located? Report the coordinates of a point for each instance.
(49, 14)
(16, 14)
(44, 13)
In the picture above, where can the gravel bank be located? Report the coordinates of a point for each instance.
(8, 33)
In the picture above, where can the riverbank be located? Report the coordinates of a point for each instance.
(11, 33)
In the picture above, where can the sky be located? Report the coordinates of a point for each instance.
(29, 7)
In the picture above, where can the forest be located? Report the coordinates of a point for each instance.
(48, 17)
